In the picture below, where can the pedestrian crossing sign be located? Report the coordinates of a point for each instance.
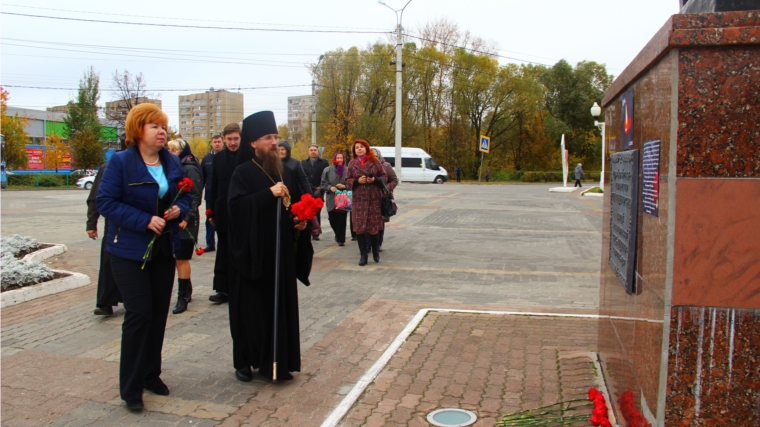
(485, 144)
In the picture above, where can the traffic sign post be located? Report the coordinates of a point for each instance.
(485, 147)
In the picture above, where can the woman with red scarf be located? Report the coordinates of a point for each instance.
(364, 173)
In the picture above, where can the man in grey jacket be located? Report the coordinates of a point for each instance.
(578, 172)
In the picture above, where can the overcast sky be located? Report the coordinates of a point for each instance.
(53, 53)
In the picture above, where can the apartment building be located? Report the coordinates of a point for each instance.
(299, 113)
(118, 110)
(205, 114)
(60, 108)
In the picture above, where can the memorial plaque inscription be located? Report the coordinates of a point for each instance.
(624, 184)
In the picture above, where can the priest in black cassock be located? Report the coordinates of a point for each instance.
(258, 184)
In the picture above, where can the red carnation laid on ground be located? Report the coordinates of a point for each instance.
(599, 414)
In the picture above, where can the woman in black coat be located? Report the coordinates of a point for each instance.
(189, 225)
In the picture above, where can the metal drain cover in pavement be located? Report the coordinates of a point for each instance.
(451, 417)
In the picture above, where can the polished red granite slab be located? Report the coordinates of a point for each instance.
(704, 29)
(717, 248)
(713, 367)
(719, 112)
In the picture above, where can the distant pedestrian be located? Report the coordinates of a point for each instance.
(207, 169)
(334, 179)
(189, 224)
(578, 172)
(488, 173)
(459, 173)
(314, 166)
(363, 172)
(136, 194)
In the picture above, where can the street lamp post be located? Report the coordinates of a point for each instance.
(596, 111)
(399, 70)
(314, 104)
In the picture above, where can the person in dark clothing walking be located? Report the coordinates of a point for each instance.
(224, 165)
(108, 295)
(207, 168)
(283, 147)
(189, 224)
(488, 173)
(578, 173)
(139, 195)
(313, 167)
(459, 173)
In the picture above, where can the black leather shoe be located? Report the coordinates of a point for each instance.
(208, 250)
(315, 238)
(135, 405)
(104, 311)
(244, 374)
(158, 388)
(219, 298)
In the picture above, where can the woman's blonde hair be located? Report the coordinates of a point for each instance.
(176, 144)
(138, 117)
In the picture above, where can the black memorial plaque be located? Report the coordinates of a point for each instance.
(624, 185)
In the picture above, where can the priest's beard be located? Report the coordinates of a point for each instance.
(271, 162)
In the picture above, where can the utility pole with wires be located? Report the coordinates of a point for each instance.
(399, 70)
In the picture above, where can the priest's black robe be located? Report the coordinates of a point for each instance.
(253, 210)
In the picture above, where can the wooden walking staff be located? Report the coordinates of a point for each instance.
(276, 293)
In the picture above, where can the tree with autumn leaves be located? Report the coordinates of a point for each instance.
(16, 137)
(451, 95)
(84, 125)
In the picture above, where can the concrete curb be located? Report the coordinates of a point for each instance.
(28, 293)
(46, 253)
(586, 193)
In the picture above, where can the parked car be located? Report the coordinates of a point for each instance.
(86, 182)
(86, 172)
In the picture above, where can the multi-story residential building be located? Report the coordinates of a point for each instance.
(60, 108)
(299, 113)
(205, 114)
(118, 110)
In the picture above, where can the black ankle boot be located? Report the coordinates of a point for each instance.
(375, 248)
(362, 248)
(181, 296)
(189, 291)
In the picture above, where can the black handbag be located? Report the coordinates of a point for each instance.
(387, 205)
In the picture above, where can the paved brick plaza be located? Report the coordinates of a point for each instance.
(489, 247)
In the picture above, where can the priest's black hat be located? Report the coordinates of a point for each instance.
(257, 125)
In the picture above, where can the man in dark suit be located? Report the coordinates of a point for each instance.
(223, 166)
(207, 170)
(313, 167)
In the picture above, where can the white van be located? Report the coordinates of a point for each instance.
(416, 165)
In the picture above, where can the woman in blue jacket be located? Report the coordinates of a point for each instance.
(136, 194)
